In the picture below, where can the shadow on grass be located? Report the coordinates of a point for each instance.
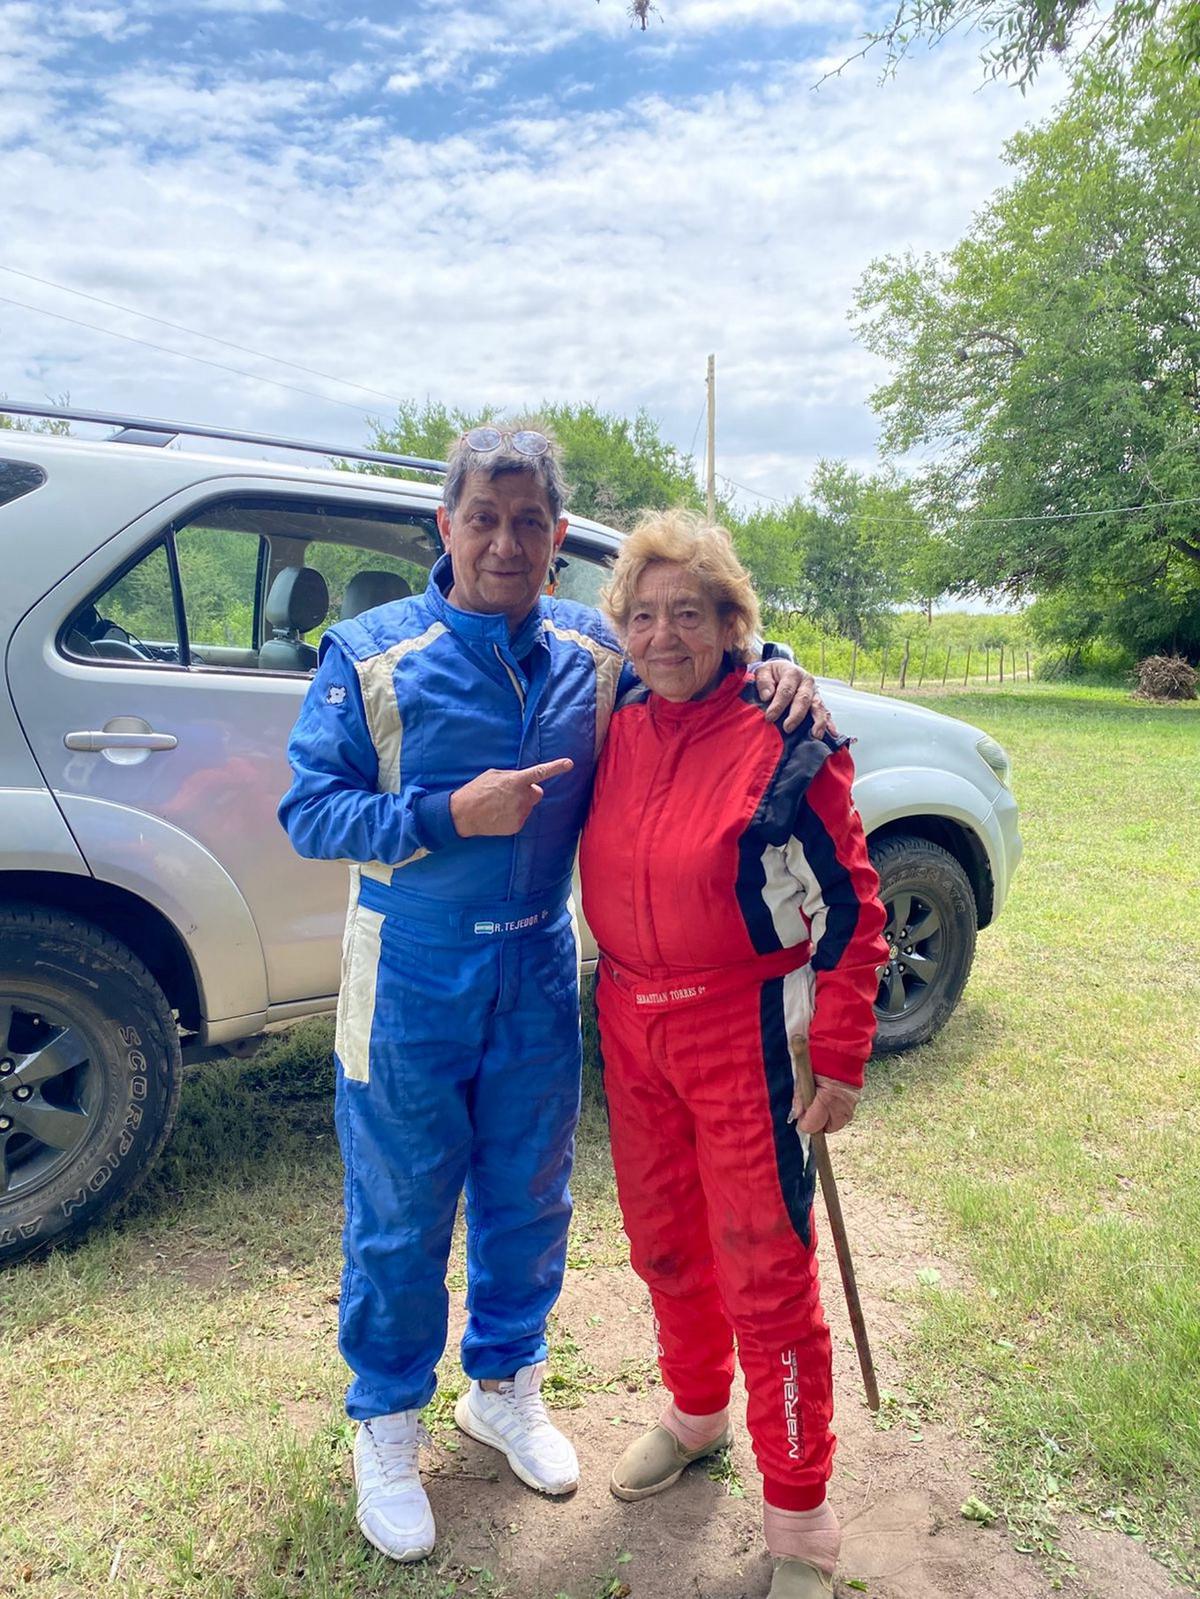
(244, 1123)
(950, 1058)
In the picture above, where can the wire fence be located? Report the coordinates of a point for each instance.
(900, 665)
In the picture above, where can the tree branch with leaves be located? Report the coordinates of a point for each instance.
(1046, 367)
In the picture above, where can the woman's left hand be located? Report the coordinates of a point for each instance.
(832, 1109)
(790, 692)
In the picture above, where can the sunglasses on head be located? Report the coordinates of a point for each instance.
(525, 441)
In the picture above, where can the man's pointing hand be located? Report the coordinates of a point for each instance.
(497, 804)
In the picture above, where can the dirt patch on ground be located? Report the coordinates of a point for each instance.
(897, 1492)
(200, 1269)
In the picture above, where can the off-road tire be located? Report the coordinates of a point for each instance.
(935, 881)
(57, 973)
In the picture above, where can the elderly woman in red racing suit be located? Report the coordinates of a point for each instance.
(726, 878)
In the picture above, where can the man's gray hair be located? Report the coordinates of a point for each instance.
(546, 470)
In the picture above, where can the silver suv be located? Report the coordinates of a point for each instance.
(159, 617)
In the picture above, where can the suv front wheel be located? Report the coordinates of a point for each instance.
(930, 932)
(89, 1075)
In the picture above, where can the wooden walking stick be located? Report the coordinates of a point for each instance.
(837, 1225)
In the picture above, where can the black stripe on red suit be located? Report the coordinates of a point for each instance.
(801, 757)
(797, 1176)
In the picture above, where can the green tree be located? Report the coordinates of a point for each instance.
(1020, 34)
(615, 467)
(844, 554)
(1051, 363)
(38, 424)
(427, 431)
(618, 467)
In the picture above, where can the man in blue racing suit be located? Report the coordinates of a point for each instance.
(445, 749)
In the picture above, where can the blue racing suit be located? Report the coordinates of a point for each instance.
(457, 1044)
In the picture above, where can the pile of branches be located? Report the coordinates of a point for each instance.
(1166, 677)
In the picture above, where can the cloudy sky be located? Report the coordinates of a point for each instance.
(494, 202)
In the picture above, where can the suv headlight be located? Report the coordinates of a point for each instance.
(996, 757)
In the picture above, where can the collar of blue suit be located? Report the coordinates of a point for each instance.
(478, 628)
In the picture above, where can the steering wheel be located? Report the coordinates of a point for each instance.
(118, 649)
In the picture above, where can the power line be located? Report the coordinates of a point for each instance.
(312, 394)
(696, 429)
(987, 521)
(213, 338)
(255, 377)
(1074, 516)
(746, 489)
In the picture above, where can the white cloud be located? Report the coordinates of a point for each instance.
(181, 109)
(241, 7)
(353, 79)
(105, 22)
(707, 15)
(562, 253)
(389, 32)
(403, 82)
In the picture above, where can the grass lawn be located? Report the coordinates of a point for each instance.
(1055, 1127)
(172, 1388)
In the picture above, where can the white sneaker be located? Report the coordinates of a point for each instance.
(513, 1419)
(392, 1510)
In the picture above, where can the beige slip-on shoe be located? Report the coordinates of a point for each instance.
(656, 1460)
(796, 1579)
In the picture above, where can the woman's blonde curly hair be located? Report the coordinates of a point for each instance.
(705, 551)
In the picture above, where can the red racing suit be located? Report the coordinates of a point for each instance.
(726, 879)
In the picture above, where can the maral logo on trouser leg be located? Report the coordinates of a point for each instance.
(791, 1401)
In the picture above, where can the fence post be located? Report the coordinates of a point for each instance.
(967, 668)
(904, 665)
(853, 660)
(924, 658)
(946, 669)
(1002, 663)
(987, 664)
(883, 669)
(1027, 666)
(822, 657)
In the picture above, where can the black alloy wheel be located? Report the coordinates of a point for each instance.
(89, 1075)
(914, 938)
(50, 1092)
(930, 933)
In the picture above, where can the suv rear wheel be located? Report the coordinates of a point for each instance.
(930, 933)
(89, 1075)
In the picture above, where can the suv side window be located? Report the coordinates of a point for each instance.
(255, 581)
(219, 573)
(17, 478)
(579, 574)
(132, 619)
(359, 579)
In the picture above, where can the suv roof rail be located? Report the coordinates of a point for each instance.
(153, 431)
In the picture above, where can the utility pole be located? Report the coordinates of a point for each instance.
(711, 454)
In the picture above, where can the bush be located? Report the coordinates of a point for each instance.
(1098, 662)
(1166, 677)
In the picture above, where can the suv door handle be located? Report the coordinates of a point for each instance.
(120, 741)
(121, 733)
